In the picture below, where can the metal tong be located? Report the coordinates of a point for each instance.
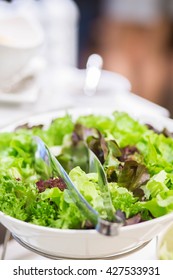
(52, 166)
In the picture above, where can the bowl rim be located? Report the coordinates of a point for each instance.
(85, 111)
(81, 231)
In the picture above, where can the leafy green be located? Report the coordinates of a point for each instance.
(124, 200)
(102, 123)
(88, 188)
(160, 197)
(138, 163)
(156, 185)
(132, 176)
(16, 198)
(161, 204)
(58, 129)
(74, 155)
(5, 140)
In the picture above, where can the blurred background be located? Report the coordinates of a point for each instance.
(135, 38)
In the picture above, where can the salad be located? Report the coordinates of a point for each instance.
(137, 159)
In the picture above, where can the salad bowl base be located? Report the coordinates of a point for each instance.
(58, 257)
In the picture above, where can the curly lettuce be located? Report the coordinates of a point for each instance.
(138, 163)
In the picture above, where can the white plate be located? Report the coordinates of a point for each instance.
(84, 244)
(28, 93)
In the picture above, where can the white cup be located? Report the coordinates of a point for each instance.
(20, 41)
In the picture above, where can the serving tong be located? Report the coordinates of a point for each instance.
(48, 162)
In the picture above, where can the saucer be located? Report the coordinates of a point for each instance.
(25, 86)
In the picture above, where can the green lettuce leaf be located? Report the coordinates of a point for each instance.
(156, 185)
(16, 198)
(88, 188)
(161, 204)
(132, 176)
(124, 200)
(58, 129)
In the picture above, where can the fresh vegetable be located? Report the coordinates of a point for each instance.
(137, 159)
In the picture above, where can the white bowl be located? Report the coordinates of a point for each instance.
(85, 244)
(19, 42)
